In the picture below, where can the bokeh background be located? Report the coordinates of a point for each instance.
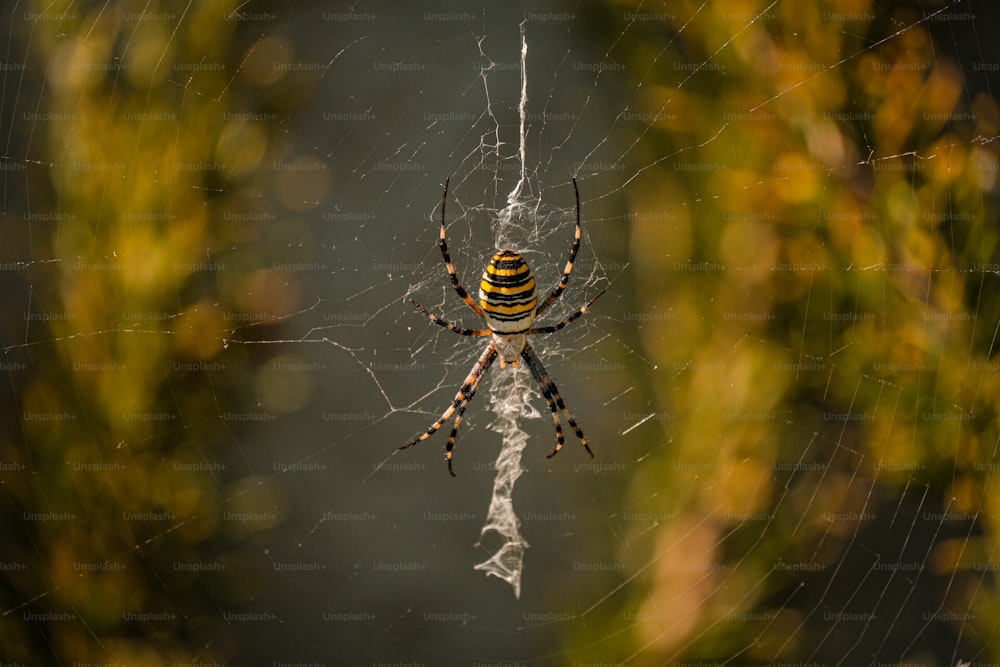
(214, 217)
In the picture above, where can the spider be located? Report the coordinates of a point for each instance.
(508, 302)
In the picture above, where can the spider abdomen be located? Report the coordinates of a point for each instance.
(507, 293)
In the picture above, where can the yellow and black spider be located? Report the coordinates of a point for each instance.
(508, 302)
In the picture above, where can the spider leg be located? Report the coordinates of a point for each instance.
(449, 326)
(458, 423)
(544, 388)
(555, 401)
(448, 263)
(460, 402)
(558, 290)
(556, 327)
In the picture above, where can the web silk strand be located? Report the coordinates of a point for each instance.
(510, 406)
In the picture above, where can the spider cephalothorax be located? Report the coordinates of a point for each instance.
(508, 302)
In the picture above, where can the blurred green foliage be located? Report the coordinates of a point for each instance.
(819, 206)
(117, 491)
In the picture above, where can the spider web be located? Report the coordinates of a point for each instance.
(217, 214)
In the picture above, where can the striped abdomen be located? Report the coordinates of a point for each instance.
(507, 293)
